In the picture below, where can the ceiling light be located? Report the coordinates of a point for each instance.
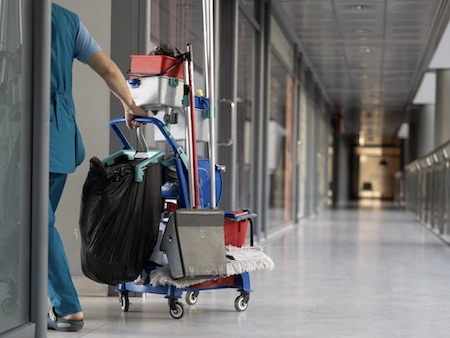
(364, 50)
(358, 7)
(361, 30)
(361, 139)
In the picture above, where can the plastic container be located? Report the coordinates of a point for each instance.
(159, 91)
(235, 227)
(156, 65)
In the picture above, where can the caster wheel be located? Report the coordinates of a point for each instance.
(192, 297)
(176, 309)
(124, 301)
(9, 306)
(241, 302)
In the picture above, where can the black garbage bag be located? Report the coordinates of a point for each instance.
(119, 220)
(167, 50)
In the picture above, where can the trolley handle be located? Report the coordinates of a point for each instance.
(161, 126)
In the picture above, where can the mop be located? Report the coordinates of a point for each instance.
(239, 260)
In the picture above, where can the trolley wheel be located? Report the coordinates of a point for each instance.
(9, 305)
(192, 297)
(124, 301)
(241, 302)
(176, 309)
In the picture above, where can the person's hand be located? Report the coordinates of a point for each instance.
(131, 113)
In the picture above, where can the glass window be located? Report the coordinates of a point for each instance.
(177, 23)
(302, 153)
(282, 46)
(280, 128)
(279, 144)
(310, 146)
(15, 145)
(322, 155)
(245, 103)
(248, 6)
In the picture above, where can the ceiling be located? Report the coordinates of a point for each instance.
(369, 57)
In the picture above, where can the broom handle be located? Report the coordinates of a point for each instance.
(208, 36)
(190, 176)
(193, 160)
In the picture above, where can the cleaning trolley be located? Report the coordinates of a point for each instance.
(177, 240)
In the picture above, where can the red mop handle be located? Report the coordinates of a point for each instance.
(194, 165)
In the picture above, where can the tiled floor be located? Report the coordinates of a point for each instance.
(355, 272)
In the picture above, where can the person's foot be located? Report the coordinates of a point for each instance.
(72, 322)
(74, 316)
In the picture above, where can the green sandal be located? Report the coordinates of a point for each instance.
(58, 323)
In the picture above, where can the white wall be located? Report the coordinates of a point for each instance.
(92, 103)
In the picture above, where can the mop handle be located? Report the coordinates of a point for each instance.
(193, 160)
(208, 36)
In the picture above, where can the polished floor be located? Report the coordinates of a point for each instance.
(367, 271)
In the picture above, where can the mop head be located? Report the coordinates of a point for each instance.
(239, 260)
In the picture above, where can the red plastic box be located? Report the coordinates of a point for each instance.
(235, 227)
(156, 65)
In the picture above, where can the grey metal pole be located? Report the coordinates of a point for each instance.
(189, 145)
(205, 4)
(212, 104)
(40, 165)
(208, 87)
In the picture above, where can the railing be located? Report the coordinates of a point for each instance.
(427, 190)
(399, 189)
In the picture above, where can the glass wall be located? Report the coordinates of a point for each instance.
(245, 107)
(15, 165)
(292, 118)
(177, 23)
(316, 165)
(322, 156)
(313, 153)
(310, 146)
(248, 6)
(302, 153)
(280, 129)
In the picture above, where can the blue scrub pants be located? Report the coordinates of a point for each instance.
(61, 291)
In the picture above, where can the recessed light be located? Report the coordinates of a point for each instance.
(361, 30)
(358, 7)
(364, 50)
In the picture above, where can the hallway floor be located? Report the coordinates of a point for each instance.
(371, 271)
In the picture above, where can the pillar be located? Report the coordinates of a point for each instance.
(424, 131)
(442, 119)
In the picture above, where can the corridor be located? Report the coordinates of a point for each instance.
(365, 271)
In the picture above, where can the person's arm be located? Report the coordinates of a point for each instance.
(116, 82)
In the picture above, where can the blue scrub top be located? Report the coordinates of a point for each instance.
(70, 40)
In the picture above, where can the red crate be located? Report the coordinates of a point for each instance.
(154, 65)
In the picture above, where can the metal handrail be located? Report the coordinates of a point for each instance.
(427, 190)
